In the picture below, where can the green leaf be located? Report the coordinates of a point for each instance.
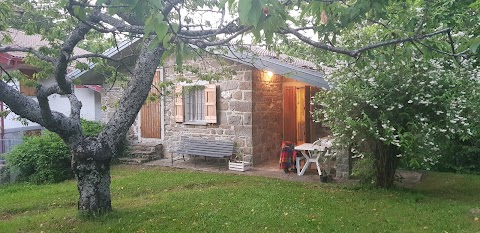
(256, 33)
(167, 39)
(80, 12)
(475, 43)
(139, 10)
(244, 7)
(149, 25)
(179, 54)
(156, 3)
(222, 3)
(175, 27)
(255, 12)
(100, 2)
(268, 36)
(154, 43)
(161, 29)
(81, 66)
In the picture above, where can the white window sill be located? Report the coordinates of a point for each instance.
(195, 123)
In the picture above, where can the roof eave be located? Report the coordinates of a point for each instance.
(311, 77)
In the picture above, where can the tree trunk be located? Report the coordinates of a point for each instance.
(386, 162)
(91, 165)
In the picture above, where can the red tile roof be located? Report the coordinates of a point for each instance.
(35, 41)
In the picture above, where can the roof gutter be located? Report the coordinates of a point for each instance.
(276, 66)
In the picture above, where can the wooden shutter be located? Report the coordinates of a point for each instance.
(211, 103)
(178, 108)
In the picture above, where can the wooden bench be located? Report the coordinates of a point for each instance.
(204, 147)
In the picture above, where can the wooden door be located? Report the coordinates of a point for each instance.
(289, 114)
(300, 121)
(150, 121)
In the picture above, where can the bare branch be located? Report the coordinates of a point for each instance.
(204, 43)
(27, 50)
(120, 25)
(317, 44)
(96, 55)
(357, 52)
(230, 28)
(460, 54)
(20, 104)
(10, 78)
(398, 41)
(75, 107)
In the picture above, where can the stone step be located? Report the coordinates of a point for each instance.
(139, 147)
(134, 161)
(146, 151)
(140, 153)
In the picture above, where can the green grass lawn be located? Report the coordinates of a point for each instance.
(165, 200)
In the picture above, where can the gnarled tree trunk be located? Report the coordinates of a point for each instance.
(91, 165)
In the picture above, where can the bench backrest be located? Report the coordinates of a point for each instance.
(205, 147)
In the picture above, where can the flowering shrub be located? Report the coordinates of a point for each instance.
(392, 108)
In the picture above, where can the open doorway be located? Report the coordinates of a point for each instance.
(298, 125)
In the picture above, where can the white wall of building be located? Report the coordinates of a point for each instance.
(90, 99)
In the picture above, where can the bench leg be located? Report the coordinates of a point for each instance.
(194, 161)
(171, 157)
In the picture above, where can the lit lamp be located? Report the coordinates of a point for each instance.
(269, 75)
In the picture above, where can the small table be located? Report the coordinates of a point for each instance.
(308, 152)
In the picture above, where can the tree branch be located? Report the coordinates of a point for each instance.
(357, 52)
(398, 41)
(134, 95)
(75, 107)
(120, 25)
(230, 28)
(317, 44)
(205, 43)
(31, 50)
(20, 104)
(96, 55)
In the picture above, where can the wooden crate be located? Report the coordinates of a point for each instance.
(239, 166)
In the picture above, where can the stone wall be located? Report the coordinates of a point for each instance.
(110, 98)
(267, 116)
(343, 163)
(234, 107)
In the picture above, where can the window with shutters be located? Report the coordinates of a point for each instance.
(194, 101)
(195, 105)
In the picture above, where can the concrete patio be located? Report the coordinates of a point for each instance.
(267, 169)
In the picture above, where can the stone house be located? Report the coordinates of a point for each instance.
(266, 101)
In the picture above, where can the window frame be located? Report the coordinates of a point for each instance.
(194, 105)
